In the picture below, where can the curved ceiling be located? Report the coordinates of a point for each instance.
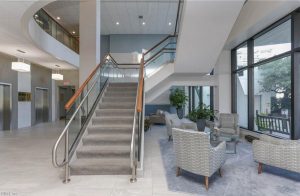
(14, 18)
(157, 14)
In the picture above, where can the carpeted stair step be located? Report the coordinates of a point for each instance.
(119, 99)
(118, 105)
(129, 84)
(102, 129)
(120, 93)
(114, 112)
(120, 120)
(117, 88)
(103, 166)
(103, 151)
(107, 139)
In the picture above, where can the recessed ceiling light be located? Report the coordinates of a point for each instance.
(74, 32)
(144, 23)
(21, 51)
(58, 18)
(170, 23)
(117, 23)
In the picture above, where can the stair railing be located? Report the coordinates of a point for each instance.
(80, 109)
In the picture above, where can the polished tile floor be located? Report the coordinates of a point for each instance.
(26, 169)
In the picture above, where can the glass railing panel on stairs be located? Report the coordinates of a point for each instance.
(168, 43)
(157, 62)
(84, 105)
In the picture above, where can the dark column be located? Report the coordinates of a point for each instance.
(295, 66)
(250, 85)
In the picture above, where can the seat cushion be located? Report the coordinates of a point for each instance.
(228, 131)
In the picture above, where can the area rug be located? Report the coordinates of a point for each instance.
(240, 176)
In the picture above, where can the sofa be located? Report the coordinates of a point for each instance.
(157, 118)
(276, 152)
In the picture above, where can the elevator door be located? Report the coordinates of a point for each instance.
(65, 94)
(5, 106)
(41, 105)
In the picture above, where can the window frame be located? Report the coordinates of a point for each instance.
(250, 69)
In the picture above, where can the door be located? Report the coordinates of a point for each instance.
(5, 106)
(65, 94)
(41, 105)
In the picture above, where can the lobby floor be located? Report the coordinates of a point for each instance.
(26, 168)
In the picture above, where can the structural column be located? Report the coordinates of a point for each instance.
(89, 25)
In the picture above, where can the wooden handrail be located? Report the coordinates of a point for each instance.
(158, 44)
(81, 88)
(141, 86)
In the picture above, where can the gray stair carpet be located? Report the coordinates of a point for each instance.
(105, 147)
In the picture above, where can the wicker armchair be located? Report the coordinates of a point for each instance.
(195, 154)
(280, 153)
(172, 121)
(227, 124)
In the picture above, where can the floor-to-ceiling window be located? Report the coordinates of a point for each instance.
(198, 95)
(262, 74)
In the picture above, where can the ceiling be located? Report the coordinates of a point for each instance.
(157, 14)
(14, 16)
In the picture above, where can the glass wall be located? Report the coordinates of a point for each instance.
(272, 92)
(198, 95)
(49, 25)
(242, 97)
(274, 42)
(262, 81)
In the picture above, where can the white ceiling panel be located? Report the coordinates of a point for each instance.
(156, 14)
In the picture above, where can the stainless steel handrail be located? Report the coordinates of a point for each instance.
(65, 133)
(133, 162)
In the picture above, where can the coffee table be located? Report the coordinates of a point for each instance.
(231, 142)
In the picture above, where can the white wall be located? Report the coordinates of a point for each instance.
(257, 15)
(90, 37)
(223, 89)
(24, 107)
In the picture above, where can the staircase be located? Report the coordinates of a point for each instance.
(105, 146)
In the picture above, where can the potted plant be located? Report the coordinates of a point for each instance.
(178, 99)
(200, 115)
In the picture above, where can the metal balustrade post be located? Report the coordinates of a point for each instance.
(67, 169)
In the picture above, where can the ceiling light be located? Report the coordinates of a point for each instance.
(20, 66)
(21, 51)
(74, 32)
(57, 76)
(170, 23)
(58, 18)
(117, 23)
(144, 23)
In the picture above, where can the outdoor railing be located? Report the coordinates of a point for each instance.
(273, 124)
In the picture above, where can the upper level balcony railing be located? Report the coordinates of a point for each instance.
(48, 24)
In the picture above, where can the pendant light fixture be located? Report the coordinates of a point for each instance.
(20, 66)
(56, 75)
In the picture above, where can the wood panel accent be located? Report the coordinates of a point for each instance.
(141, 87)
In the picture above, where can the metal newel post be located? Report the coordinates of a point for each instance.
(67, 171)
